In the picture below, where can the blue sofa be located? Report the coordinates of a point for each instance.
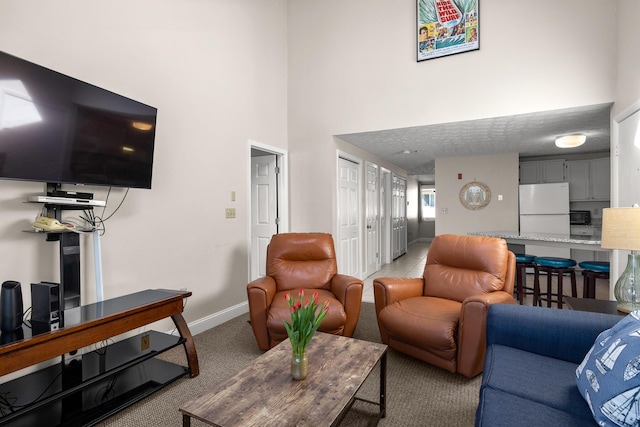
(529, 370)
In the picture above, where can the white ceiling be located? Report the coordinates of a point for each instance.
(531, 135)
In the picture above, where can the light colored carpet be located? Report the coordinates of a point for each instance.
(418, 394)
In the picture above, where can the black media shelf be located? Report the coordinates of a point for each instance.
(90, 388)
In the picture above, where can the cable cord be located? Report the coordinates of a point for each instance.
(98, 222)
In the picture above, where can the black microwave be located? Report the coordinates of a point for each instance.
(580, 217)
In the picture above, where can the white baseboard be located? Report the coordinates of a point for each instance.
(215, 319)
(421, 239)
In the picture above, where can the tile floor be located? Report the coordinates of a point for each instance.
(412, 263)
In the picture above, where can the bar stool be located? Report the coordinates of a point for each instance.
(592, 270)
(551, 266)
(523, 261)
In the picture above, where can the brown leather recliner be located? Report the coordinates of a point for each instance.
(302, 261)
(440, 317)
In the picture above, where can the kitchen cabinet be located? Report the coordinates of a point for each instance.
(589, 180)
(540, 172)
(600, 176)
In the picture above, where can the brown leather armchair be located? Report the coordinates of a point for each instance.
(302, 261)
(440, 317)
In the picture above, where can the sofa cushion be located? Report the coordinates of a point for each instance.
(500, 409)
(540, 379)
(608, 377)
(426, 322)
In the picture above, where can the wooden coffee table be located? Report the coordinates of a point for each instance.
(264, 394)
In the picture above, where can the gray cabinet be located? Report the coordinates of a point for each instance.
(540, 172)
(600, 179)
(589, 180)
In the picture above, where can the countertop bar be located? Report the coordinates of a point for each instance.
(589, 243)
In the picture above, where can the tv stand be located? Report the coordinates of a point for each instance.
(97, 384)
(69, 249)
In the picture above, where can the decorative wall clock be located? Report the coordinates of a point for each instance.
(475, 195)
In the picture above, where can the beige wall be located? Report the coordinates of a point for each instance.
(361, 75)
(288, 74)
(628, 59)
(498, 172)
(216, 71)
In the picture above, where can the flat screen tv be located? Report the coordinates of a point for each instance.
(60, 130)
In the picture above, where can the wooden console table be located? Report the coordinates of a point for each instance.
(45, 392)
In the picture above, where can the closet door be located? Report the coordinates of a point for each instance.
(399, 217)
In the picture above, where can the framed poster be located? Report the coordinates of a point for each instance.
(446, 27)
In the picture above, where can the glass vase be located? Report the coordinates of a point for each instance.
(299, 365)
(627, 289)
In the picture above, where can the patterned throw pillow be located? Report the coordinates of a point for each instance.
(608, 377)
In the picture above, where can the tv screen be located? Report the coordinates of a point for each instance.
(57, 129)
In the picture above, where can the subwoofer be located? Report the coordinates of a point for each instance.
(11, 310)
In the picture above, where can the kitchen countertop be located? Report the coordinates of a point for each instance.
(572, 241)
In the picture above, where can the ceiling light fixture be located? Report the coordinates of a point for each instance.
(570, 141)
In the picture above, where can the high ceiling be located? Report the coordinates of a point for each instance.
(415, 149)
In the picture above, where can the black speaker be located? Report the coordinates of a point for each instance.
(10, 306)
(45, 306)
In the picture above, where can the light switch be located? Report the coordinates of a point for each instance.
(499, 197)
(233, 196)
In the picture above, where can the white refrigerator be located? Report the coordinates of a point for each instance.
(544, 208)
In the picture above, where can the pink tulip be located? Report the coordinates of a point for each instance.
(306, 317)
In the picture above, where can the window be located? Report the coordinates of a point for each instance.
(427, 203)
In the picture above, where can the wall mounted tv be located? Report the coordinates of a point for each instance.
(57, 129)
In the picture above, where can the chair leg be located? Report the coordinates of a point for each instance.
(536, 286)
(549, 288)
(560, 290)
(574, 288)
(520, 281)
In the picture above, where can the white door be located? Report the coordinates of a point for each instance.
(348, 245)
(403, 216)
(385, 217)
(399, 220)
(372, 260)
(264, 211)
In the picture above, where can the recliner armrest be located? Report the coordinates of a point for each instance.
(471, 330)
(388, 290)
(348, 290)
(341, 285)
(260, 293)
(562, 334)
